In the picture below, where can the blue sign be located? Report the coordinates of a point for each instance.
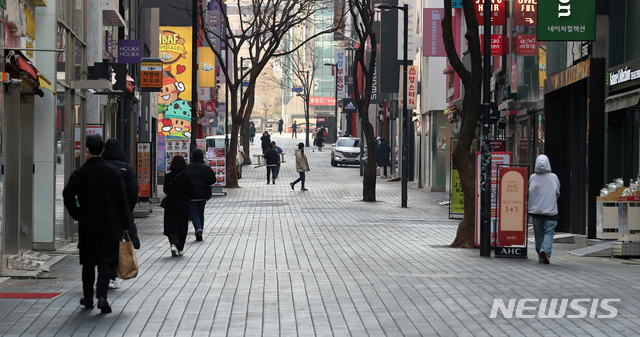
(296, 89)
(245, 83)
(456, 3)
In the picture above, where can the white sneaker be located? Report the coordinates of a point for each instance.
(114, 284)
(174, 250)
(180, 253)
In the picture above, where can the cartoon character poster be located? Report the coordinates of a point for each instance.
(174, 100)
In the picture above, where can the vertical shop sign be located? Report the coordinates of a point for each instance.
(525, 12)
(566, 20)
(340, 72)
(151, 74)
(207, 69)
(432, 43)
(527, 45)
(457, 196)
(143, 167)
(497, 158)
(412, 86)
(497, 11)
(512, 211)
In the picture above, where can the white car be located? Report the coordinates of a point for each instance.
(346, 150)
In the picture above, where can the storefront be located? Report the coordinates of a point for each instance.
(574, 141)
(622, 145)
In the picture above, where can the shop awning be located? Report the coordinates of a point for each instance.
(621, 101)
(45, 83)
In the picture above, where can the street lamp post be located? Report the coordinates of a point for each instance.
(405, 111)
(485, 182)
(307, 89)
(335, 95)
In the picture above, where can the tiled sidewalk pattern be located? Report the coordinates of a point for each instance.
(276, 262)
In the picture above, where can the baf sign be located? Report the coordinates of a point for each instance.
(566, 20)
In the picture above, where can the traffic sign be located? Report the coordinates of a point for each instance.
(296, 89)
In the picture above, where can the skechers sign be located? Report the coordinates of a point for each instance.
(566, 20)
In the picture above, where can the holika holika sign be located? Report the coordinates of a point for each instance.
(566, 20)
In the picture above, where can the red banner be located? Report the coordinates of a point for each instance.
(512, 207)
(525, 13)
(527, 45)
(497, 12)
(497, 44)
(432, 33)
(328, 101)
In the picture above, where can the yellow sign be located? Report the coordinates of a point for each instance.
(207, 69)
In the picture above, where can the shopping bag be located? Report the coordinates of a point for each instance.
(127, 260)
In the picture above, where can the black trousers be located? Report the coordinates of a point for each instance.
(178, 240)
(89, 277)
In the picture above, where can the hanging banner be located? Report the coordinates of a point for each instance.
(564, 20)
(143, 168)
(340, 72)
(432, 43)
(206, 71)
(412, 86)
(497, 48)
(525, 13)
(497, 158)
(497, 11)
(527, 45)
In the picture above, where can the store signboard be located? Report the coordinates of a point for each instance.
(497, 158)
(497, 11)
(512, 209)
(497, 43)
(624, 76)
(129, 51)
(525, 12)
(433, 45)
(527, 45)
(143, 167)
(566, 20)
(340, 72)
(151, 74)
(457, 196)
(412, 86)
(91, 129)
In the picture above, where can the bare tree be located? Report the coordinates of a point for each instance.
(463, 154)
(362, 13)
(260, 29)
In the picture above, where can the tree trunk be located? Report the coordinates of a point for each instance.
(232, 171)
(369, 179)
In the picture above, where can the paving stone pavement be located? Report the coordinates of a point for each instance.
(277, 262)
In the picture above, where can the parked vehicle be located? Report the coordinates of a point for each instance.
(219, 142)
(346, 150)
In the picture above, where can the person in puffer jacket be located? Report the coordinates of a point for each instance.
(202, 177)
(544, 190)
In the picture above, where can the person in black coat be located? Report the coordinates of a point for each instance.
(95, 197)
(383, 154)
(179, 190)
(280, 124)
(320, 138)
(202, 177)
(265, 142)
(114, 155)
(272, 158)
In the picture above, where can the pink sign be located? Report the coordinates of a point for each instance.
(322, 101)
(433, 45)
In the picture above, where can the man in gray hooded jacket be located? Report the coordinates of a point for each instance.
(544, 189)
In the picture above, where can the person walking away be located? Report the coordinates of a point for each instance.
(280, 124)
(266, 142)
(294, 129)
(252, 132)
(302, 166)
(202, 177)
(544, 190)
(179, 190)
(320, 139)
(279, 151)
(383, 155)
(95, 197)
(114, 155)
(271, 158)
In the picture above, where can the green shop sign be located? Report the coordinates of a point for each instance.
(566, 20)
